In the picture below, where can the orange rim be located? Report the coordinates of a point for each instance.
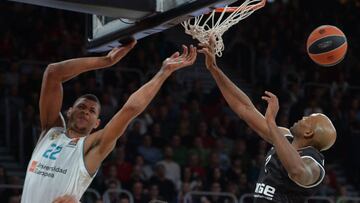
(233, 9)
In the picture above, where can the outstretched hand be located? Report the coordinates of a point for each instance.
(177, 61)
(208, 50)
(273, 106)
(117, 53)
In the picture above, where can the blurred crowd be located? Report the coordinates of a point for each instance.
(188, 139)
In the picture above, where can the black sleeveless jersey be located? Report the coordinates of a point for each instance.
(274, 184)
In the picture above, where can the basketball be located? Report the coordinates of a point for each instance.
(327, 45)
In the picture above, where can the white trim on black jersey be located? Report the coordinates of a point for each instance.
(289, 135)
(318, 181)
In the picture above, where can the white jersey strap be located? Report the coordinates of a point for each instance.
(321, 177)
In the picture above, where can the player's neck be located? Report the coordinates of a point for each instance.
(298, 144)
(73, 134)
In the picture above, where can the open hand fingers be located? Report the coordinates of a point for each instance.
(185, 51)
(188, 56)
(127, 46)
(270, 97)
(266, 98)
(205, 51)
(132, 43)
(269, 94)
(176, 54)
(192, 55)
(203, 45)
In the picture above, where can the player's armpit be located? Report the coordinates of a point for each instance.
(257, 122)
(312, 174)
(99, 144)
(92, 160)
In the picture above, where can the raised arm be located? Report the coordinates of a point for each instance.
(100, 144)
(303, 171)
(51, 95)
(238, 101)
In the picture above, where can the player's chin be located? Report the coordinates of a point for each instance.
(82, 123)
(81, 127)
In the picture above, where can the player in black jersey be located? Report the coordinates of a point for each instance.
(294, 166)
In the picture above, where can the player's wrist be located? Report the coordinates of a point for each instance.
(271, 122)
(165, 72)
(212, 67)
(107, 61)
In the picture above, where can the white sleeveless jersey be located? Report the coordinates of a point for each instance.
(56, 168)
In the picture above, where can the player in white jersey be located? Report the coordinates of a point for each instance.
(66, 159)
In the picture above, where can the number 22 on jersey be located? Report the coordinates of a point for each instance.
(52, 152)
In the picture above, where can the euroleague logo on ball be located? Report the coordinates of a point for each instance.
(324, 45)
(327, 45)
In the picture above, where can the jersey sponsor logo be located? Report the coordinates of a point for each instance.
(44, 170)
(73, 142)
(264, 191)
(33, 166)
(54, 135)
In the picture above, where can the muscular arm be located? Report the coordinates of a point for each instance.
(303, 171)
(51, 95)
(238, 101)
(136, 104)
(99, 145)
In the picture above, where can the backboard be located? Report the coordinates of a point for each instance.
(111, 23)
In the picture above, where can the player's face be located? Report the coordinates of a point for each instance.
(301, 126)
(83, 116)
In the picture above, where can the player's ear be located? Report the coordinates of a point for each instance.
(98, 121)
(68, 112)
(309, 133)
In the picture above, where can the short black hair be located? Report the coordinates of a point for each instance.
(90, 97)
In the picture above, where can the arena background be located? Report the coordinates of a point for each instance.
(189, 118)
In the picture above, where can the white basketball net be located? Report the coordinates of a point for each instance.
(201, 29)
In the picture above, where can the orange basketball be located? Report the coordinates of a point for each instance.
(327, 45)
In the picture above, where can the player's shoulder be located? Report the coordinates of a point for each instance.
(56, 130)
(53, 132)
(315, 161)
(50, 135)
(312, 152)
(286, 132)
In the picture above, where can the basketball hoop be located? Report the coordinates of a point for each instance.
(201, 28)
